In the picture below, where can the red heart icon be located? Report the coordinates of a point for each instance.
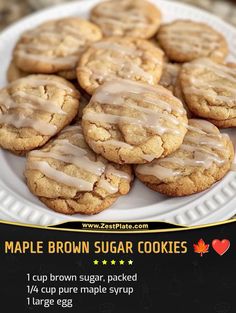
(221, 246)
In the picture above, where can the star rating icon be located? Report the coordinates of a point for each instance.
(112, 262)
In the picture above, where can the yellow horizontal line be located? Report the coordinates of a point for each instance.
(181, 228)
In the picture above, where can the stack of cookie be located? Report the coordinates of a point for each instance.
(89, 102)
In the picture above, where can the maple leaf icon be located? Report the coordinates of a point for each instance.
(201, 247)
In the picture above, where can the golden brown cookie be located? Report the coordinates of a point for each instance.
(130, 122)
(33, 109)
(204, 158)
(209, 90)
(69, 178)
(126, 58)
(185, 40)
(55, 46)
(134, 18)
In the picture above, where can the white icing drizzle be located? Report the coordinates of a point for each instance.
(47, 47)
(197, 144)
(123, 17)
(111, 170)
(153, 169)
(37, 82)
(36, 103)
(124, 88)
(190, 37)
(150, 113)
(21, 120)
(120, 24)
(104, 184)
(115, 93)
(59, 176)
(113, 46)
(128, 69)
(70, 60)
(77, 160)
(147, 121)
(56, 34)
(63, 150)
(29, 103)
(123, 50)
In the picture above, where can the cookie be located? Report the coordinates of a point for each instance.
(209, 91)
(204, 158)
(33, 109)
(130, 122)
(55, 46)
(126, 58)
(169, 75)
(134, 18)
(69, 178)
(184, 41)
(13, 73)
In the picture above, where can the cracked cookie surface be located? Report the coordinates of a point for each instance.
(33, 109)
(70, 178)
(130, 122)
(185, 40)
(134, 18)
(55, 46)
(204, 158)
(209, 91)
(115, 57)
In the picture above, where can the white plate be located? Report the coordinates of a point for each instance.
(19, 205)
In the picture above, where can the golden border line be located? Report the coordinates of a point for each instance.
(181, 228)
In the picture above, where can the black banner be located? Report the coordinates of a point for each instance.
(117, 226)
